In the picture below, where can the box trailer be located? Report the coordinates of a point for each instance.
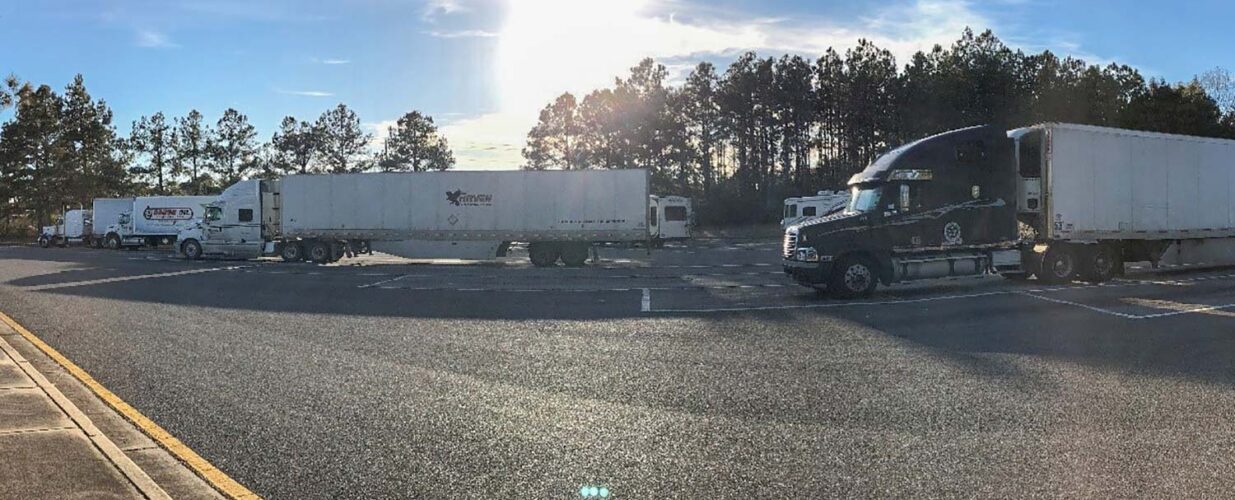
(466, 215)
(1056, 201)
(106, 213)
(72, 226)
(154, 220)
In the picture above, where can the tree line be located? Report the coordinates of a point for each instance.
(63, 150)
(767, 128)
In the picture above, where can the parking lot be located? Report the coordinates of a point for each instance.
(697, 367)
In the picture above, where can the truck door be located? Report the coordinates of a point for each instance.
(242, 233)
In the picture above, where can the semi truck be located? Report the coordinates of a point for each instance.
(798, 209)
(72, 226)
(669, 218)
(154, 220)
(105, 214)
(1057, 201)
(475, 215)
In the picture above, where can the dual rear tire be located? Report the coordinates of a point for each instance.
(1064, 263)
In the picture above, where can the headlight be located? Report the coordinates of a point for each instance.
(808, 254)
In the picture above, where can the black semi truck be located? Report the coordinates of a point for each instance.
(1057, 201)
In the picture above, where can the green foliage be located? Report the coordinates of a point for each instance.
(341, 143)
(414, 145)
(191, 142)
(233, 151)
(768, 128)
(152, 139)
(294, 146)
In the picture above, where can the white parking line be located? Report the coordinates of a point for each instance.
(647, 300)
(383, 282)
(52, 286)
(1083, 306)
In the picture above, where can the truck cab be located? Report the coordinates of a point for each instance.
(230, 226)
(942, 206)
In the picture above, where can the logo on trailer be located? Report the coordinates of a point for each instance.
(952, 233)
(460, 198)
(167, 213)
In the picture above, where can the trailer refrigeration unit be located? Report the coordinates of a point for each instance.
(1062, 202)
(154, 220)
(73, 226)
(460, 215)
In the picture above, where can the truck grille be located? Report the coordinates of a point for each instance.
(791, 243)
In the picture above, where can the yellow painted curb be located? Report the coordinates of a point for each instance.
(216, 478)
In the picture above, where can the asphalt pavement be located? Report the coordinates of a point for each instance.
(697, 370)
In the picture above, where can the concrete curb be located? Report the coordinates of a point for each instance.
(200, 466)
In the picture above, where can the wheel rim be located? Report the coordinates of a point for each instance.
(191, 250)
(857, 277)
(319, 253)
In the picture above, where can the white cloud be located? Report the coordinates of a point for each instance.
(154, 40)
(305, 93)
(462, 34)
(332, 61)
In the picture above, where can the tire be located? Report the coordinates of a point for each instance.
(543, 254)
(113, 241)
(319, 252)
(1059, 265)
(575, 254)
(44, 242)
(191, 249)
(853, 277)
(292, 252)
(1099, 264)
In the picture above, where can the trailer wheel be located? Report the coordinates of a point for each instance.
(97, 242)
(292, 252)
(856, 276)
(1099, 264)
(319, 252)
(575, 254)
(44, 242)
(192, 249)
(1059, 265)
(113, 241)
(542, 253)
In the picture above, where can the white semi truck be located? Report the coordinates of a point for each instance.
(154, 220)
(473, 215)
(1058, 201)
(73, 226)
(106, 213)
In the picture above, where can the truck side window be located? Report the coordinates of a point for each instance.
(652, 216)
(675, 213)
(791, 211)
(246, 215)
(808, 211)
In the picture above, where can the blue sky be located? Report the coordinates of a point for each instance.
(483, 68)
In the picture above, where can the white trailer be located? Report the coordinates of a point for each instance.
(154, 220)
(466, 215)
(106, 213)
(798, 209)
(73, 226)
(669, 218)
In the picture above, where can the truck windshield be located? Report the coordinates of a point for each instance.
(213, 214)
(863, 200)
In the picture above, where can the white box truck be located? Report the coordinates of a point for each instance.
(1058, 201)
(154, 220)
(669, 218)
(72, 226)
(463, 215)
(106, 213)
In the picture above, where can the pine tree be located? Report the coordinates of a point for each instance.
(294, 146)
(191, 142)
(414, 145)
(152, 139)
(233, 151)
(342, 144)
